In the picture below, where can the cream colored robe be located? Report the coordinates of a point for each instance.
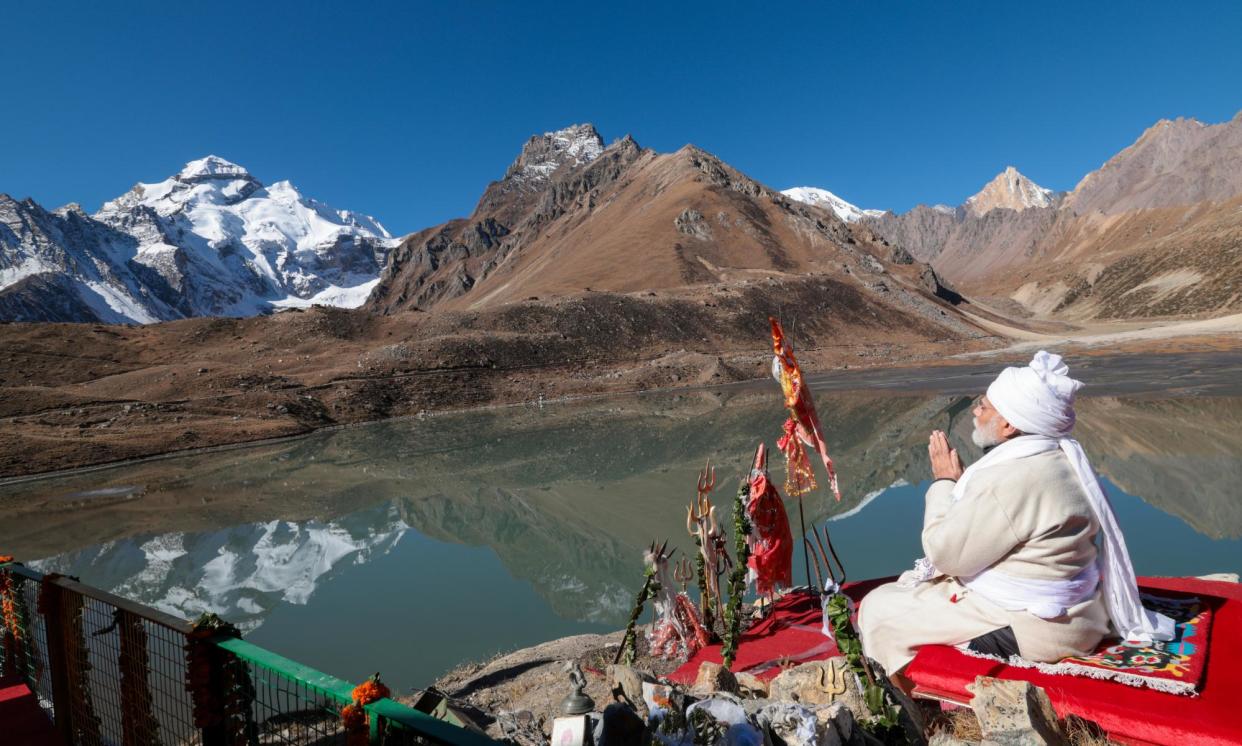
(1028, 518)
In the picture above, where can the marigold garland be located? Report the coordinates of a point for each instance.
(354, 716)
(139, 725)
(219, 682)
(12, 630)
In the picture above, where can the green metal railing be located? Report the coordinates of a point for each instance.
(107, 670)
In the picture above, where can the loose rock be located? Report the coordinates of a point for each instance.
(819, 683)
(713, 678)
(1014, 713)
(750, 685)
(627, 683)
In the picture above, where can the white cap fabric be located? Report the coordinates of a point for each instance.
(1037, 399)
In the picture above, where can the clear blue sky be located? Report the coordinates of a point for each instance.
(406, 110)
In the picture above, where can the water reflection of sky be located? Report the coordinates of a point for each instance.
(429, 543)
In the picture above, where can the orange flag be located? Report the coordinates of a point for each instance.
(803, 423)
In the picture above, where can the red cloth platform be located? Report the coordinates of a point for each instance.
(1129, 714)
(22, 721)
(792, 630)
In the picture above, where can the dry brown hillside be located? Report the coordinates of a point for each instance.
(1155, 232)
(633, 220)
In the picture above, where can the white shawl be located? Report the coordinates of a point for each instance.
(1038, 400)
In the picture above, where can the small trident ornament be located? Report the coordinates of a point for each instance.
(837, 687)
(701, 524)
(683, 572)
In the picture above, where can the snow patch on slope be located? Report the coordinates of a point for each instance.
(823, 198)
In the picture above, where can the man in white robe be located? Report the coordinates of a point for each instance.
(1011, 543)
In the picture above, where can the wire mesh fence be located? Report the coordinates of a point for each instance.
(110, 671)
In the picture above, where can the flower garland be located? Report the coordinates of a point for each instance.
(67, 610)
(737, 578)
(354, 715)
(627, 651)
(219, 682)
(12, 605)
(138, 722)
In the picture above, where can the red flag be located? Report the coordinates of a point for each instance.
(771, 552)
(803, 423)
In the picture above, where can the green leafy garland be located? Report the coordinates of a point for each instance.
(884, 722)
(737, 578)
(628, 649)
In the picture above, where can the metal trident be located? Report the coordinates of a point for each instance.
(683, 572)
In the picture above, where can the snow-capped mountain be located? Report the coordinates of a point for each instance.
(824, 198)
(1010, 190)
(209, 241)
(544, 154)
(241, 573)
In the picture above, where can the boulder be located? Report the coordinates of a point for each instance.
(1014, 713)
(837, 722)
(820, 683)
(750, 685)
(713, 678)
(626, 684)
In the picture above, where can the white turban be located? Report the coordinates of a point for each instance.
(1039, 400)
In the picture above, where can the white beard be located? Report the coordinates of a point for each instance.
(986, 438)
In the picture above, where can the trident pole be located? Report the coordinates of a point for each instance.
(805, 559)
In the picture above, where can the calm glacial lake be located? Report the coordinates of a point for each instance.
(410, 546)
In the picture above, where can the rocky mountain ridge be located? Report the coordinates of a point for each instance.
(209, 241)
(1155, 232)
(627, 219)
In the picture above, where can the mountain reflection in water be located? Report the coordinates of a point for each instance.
(488, 530)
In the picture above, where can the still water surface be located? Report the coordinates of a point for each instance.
(411, 546)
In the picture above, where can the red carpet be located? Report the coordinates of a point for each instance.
(1129, 714)
(22, 722)
(792, 630)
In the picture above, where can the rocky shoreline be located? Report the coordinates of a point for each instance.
(517, 696)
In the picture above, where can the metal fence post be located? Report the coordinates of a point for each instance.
(54, 624)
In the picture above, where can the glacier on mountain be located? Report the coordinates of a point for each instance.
(209, 241)
(823, 198)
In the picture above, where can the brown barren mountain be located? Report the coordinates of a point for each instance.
(584, 270)
(1155, 232)
(631, 220)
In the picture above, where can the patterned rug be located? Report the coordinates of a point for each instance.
(1176, 666)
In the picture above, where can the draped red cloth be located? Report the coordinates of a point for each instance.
(771, 555)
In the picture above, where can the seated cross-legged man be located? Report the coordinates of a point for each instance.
(1023, 555)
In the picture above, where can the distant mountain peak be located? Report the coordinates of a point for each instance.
(212, 167)
(823, 198)
(544, 154)
(1010, 190)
